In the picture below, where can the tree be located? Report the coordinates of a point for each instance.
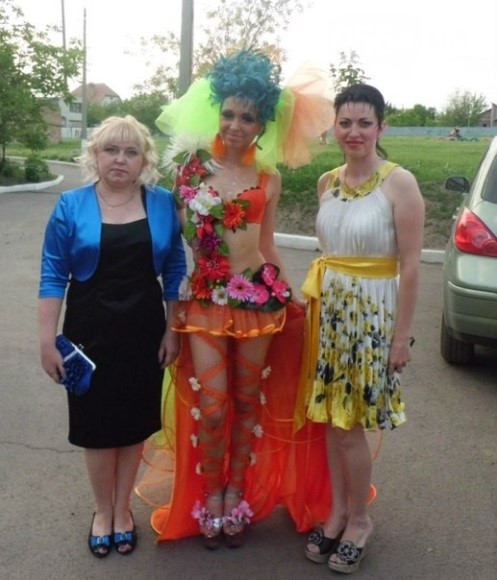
(417, 116)
(348, 71)
(232, 25)
(463, 109)
(33, 70)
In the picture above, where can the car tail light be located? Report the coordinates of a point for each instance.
(472, 236)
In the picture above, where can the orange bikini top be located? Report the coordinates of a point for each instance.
(254, 213)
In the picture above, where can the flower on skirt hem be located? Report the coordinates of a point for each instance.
(196, 414)
(266, 372)
(262, 398)
(194, 440)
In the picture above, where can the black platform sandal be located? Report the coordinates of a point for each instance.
(327, 546)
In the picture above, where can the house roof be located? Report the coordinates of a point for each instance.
(96, 93)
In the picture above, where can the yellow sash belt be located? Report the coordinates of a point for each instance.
(365, 267)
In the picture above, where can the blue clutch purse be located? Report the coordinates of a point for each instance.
(78, 366)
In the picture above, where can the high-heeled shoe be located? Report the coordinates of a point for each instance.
(350, 557)
(234, 523)
(326, 546)
(210, 527)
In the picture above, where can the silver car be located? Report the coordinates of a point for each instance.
(470, 266)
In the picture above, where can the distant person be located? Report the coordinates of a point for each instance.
(109, 242)
(455, 134)
(323, 138)
(362, 294)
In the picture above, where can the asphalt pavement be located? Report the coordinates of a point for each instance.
(436, 475)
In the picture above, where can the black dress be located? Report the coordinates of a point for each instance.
(118, 317)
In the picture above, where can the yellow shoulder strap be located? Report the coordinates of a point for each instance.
(386, 169)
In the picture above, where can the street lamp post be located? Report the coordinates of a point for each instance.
(84, 95)
(185, 67)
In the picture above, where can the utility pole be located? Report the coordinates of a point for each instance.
(185, 67)
(63, 24)
(84, 105)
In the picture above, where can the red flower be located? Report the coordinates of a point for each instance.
(214, 267)
(234, 215)
(205, 226)
(200, 290)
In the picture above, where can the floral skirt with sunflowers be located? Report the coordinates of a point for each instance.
(351, 385)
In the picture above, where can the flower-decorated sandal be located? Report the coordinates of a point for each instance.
(210, 527)
(326, 546)
(234, 523)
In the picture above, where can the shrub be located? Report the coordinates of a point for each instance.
(36, 169)
(10, 173)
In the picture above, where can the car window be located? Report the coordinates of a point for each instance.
(489, 188)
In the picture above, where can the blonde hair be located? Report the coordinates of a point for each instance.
(121, 129)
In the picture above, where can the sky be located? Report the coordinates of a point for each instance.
(419, 52)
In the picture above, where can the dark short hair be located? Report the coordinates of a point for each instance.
(363, 93)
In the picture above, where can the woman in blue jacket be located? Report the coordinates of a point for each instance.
(109, 243)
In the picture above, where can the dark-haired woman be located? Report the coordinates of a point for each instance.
(362, 294)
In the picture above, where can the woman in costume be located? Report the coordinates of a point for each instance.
(232, 427)
(362, 295)
(108, 242)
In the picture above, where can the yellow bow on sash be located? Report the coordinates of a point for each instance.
(365, 267)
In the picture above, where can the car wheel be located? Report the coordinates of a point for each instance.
(455, 351)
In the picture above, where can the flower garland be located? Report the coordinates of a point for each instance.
(207, 217)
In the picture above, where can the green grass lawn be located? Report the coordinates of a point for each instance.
(430, 159)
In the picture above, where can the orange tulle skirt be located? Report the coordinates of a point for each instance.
(288, 469)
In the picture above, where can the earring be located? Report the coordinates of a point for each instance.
(249, 155)
(218, 147)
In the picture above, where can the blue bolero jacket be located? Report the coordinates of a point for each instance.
(72, 241)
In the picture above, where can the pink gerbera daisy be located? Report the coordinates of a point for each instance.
(240, 288)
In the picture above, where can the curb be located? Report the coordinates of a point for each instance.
(311, 244)
(31, 186)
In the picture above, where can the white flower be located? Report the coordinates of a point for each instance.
(194, 440)
(262, 398)
(187, 144)
(266, 372)
(204, 201)
(253, 459)
(181, 316)
(194, 384)
(220, 296)
(196, 414)
(198, 469)
(258, 431)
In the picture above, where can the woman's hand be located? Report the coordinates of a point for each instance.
(169, 348)
(400, 355)
(51, 361)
